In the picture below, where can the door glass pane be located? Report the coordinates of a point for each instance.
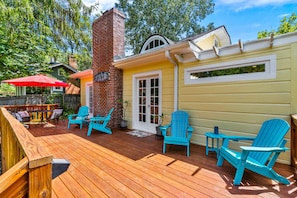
(142, 100)
(154, 100)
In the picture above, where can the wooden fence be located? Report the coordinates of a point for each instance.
(26, 167)
(67, 101)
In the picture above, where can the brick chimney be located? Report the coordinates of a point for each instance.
(72, 61)
(108, 42)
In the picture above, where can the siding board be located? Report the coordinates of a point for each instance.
(233, 88)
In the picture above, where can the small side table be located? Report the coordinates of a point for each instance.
(213, 137)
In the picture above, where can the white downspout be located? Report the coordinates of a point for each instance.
(175, 93)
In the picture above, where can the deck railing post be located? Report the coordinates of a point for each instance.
(19, 145)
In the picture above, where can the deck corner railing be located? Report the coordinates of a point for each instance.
(26, 166)
(294, 143)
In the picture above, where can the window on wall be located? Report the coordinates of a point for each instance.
(60, 72)
(153, 42)
(247, 69)
(57, 88)
(230, 71)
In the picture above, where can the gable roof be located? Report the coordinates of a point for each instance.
(187, 51)
(82, 74)
(54, 64)
(220, 32)
(189, 45)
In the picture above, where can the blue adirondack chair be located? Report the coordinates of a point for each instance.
(100, 123)
(261, 156)
(181, 131)
(80, 117)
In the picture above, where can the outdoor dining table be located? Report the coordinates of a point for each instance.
(43, 111)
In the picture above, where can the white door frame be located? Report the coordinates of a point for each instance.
(135, 111)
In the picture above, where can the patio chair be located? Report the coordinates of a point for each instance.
(56, 114)
(80, 117)
(261, 156)
(181, 131)
(23, 117)
(100, 123)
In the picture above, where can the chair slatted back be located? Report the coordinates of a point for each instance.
(82, 112)
(108, 117)
(179, 124)
(271, 134)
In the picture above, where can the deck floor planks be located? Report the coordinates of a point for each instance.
(60, 189)
(93, 174)
(156, 184)
(175, 182)
(210, 180)
(129, 166)
(204, 185)
(200, 173)
(97, 159)
(219, 178)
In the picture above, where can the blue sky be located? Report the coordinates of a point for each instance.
(243, 19)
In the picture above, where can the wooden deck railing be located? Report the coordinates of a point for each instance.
(294, 143)
(26, 166)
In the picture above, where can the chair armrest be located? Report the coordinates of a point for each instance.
(97, 119)
(226, 139)
(190, 131)
(71, 116)
(263, 149)
(164, 129)
(238, 138)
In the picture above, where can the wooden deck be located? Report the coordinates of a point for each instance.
(121, 165)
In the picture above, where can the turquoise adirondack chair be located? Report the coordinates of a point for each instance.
(100, 123)
(180, 133)
(261, 156)
(80, 117)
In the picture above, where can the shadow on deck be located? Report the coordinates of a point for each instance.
(121, 165)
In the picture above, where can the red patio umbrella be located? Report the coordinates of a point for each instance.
(39, 80)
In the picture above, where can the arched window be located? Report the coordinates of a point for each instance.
(153, 42)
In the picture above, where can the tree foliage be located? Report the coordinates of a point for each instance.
(175, 19)
(33, 31)
(286, 25)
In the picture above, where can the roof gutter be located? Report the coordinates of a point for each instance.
(175, 94)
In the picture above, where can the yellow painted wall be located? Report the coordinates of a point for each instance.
(166, 69)
(239, 108)
(83, 83)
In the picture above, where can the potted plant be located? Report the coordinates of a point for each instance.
(160, 121)
(124, 122)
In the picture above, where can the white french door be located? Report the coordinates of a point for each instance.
(148, 100)
(89, 98)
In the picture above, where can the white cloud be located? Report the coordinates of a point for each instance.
(103, 4)
(284, 15)
(239, 5)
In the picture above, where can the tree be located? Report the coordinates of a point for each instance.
(175, 19)
(286, 25)
(33, 31)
